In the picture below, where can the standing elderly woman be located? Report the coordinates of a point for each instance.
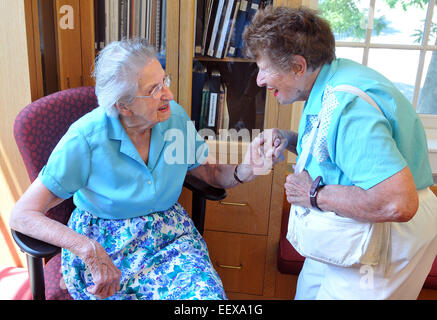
(362, 212)
(128, 238)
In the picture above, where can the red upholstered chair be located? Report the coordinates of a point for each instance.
(14, 284)
(37, 130)
(291, 262)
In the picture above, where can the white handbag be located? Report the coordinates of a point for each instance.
(328, 237)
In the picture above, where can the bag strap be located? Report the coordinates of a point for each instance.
(358, 92)
(301, 163)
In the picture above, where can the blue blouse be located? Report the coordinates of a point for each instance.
(97, 164)
(356, 144)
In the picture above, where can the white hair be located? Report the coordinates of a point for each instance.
(117, 70)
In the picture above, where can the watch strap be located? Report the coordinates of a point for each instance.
(313, 192)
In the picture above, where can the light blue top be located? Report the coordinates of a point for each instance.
(356, 144)
(97, 164)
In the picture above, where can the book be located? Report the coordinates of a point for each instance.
(132, 17)
(163, 26)
(222, 98)
(199, 79)
(200, 19)
(208, 10)
(114, 20)
(214, 92)
(136, 19)
(157, 24)
(142, 19)
(225, 120)
(204, 106)
(252, 9)
(152, 22)
(128, 20)
(236, 40)
(218, 16)
(225, 25)
(231, 30)
(107, 22)
(123, 8)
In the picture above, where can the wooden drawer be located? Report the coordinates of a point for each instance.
(245, 209)
(239, 260)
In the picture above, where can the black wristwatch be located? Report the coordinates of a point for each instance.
(315, 187)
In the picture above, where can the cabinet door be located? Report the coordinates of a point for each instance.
(245, 208)
(68, 42)
(239, 259)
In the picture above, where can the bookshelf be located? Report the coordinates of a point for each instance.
(73, 31)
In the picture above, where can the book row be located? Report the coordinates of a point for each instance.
(209, 108)
(220, 25)
(121, 19)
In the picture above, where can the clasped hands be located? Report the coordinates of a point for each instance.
(266, 150)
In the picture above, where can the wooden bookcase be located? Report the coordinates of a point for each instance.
(242, 232)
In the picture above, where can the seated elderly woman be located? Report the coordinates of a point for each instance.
(128, 238)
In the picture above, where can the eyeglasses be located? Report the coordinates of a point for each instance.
(154, 94)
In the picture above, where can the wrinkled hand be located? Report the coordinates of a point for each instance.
(297, 189)
(255, 158)
(105, 274)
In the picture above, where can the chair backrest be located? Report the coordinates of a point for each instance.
(41, 124)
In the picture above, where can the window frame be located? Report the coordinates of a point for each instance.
(429, 120)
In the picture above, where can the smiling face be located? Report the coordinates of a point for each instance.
(145, 112)
(288, 85)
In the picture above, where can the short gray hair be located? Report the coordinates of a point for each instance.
(117, 71)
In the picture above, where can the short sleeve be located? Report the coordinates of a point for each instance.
(364, 148)
(68, 167)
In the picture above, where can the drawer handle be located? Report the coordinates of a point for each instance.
(230, 267)
(239, 204)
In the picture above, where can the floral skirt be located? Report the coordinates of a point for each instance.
(160, 256)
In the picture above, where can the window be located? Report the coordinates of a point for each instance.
(398, 38)
(394, 37)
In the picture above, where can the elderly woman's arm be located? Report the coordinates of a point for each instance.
(255, 163)
(28, 217)
(394, 199)
(222, 175)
